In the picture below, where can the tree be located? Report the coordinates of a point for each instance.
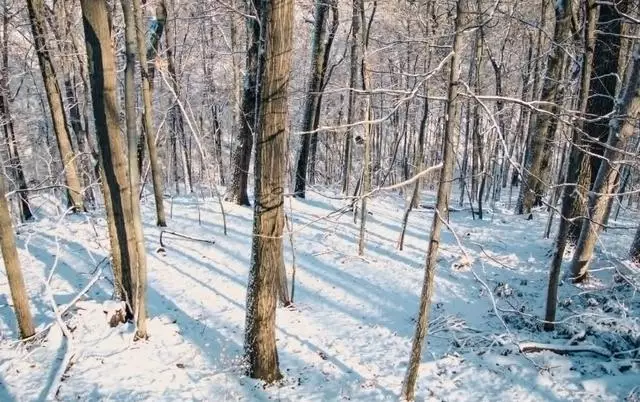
(147, 118)
(54, 98)
(544, 122)
(15, 164)
(276, 20)
(354, 60)
(574, 168)
(131, 50)
(102, 74)
(605, 74)
(621, 129)
(312, 96)
(12, 266)
(241, 159)
(450, 141)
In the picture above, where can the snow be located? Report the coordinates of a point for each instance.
(349, 335)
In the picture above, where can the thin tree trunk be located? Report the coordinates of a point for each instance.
(241, 162)
(12, 266)
(15, 163)
(147, 116)
(54, 98)
(450, 141)
(313, 94)
(354, 60)
(366, 87)
(131, 50)
(276, 20)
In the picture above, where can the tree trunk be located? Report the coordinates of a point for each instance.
(276, 20)
(241, 162)
(354, 60)
(313, 94)
(604, 78)
(54, 98)
(147, 115)
(12, 266)
(366, 137)
(621, 129)
(544, 122)
(102, 74)
(15, 164)
(131, 50)
(450, 140)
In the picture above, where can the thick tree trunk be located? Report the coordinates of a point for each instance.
(276, 20)
(241, 159)
(544, 122)
(450, 141)
(12, 267)
(621, 129)
(102, 74)
(54, 98)
(604, 78)
(147, 115)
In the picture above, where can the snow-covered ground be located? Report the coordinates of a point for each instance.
(349, 335)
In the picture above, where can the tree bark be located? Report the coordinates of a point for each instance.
(313, 94)
(621, 129)
(102, 74)
(450, 141)
(276, 20)
(131, 51)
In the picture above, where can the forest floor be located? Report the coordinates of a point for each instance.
(349, 334)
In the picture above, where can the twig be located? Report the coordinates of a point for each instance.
(183, 236)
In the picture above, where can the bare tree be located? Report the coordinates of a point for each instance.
(544, 122)
(131, 50)
(241, 159)
(621, 129)
(354, 60)
(12, 266)
(276, 21)
(147, 118)
(574, 171)
(15, 164)
(450, 141)
(313, 93)
(54, 97)
(101, 59)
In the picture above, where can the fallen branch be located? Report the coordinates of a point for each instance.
(68, 306)
(528, 347)
(184, 236)
(66, 361)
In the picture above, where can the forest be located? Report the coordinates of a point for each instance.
(320, 200)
